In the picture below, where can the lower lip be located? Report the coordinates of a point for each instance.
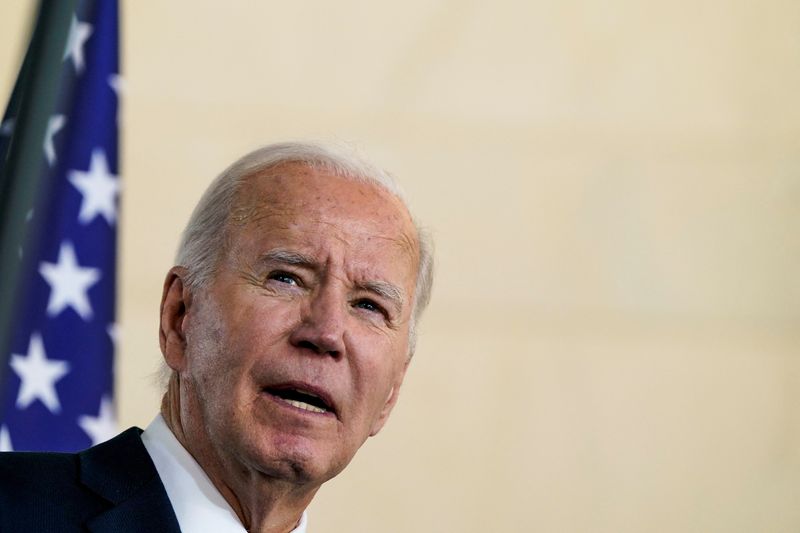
(283, 403)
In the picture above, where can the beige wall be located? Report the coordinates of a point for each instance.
(614, 187)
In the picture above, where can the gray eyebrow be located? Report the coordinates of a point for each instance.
(288, 257)
(385, 290)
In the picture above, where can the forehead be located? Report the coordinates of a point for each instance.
(300, 186)
(316, 208)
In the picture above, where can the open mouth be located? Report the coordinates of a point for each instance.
(301, 399)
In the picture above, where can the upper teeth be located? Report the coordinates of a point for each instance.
(305, 406)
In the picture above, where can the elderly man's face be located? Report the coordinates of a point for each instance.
(296, 351)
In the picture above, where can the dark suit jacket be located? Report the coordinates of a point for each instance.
(112, 487)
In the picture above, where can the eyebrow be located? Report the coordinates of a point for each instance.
(288, 257)
(384, 289)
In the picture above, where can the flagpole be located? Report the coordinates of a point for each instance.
(21, 176)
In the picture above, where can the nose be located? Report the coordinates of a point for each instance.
(322, 326)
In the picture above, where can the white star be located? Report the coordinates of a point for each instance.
(99, 188)
(114, 333)
(117, 83)
(38, 375)
(79, 33)
(5, 440)
(7, 127)
(102, 427)
(54, 125)
(69, 283)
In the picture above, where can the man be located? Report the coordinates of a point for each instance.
(286, 329)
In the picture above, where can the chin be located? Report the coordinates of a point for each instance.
(297, 459)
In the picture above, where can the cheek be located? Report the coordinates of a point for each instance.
(378, 374)
(263, 324)
(249, 336)
(255, 316)
(204, 337)
(217, 352)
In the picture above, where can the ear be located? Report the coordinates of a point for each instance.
(175, 303)
(390, 402)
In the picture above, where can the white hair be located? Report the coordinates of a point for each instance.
(204, 241)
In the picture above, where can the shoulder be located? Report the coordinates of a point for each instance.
(23, 471)
(51, 490)
(40, 490)
(44, 470)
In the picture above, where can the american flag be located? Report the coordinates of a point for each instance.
(57, 392)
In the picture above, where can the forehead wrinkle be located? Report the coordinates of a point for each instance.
(246, 214)
(404, 242)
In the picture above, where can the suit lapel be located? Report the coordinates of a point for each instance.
(120, 471)
(148, 510)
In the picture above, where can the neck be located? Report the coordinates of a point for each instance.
(262, 503)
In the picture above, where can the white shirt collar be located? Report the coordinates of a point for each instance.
(197, 503)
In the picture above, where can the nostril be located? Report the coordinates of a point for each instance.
(309, 345)
(317, 349)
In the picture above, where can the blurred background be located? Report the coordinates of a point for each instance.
(614, 190)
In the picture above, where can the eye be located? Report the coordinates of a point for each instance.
(369, 305)
(283, 277)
